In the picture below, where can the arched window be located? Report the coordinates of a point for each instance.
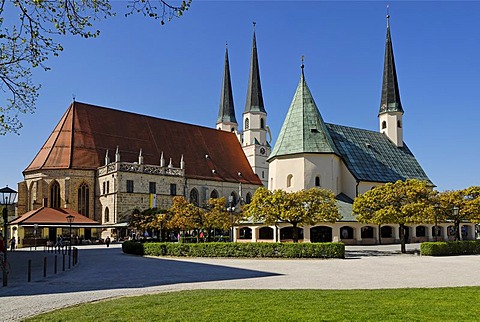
(386, 232)
(55, 195)
(265, 233)
(107, 215)
(245, 233)
(248, 198)
(214, 194)
(262, 123)
(367, 232)
(421, 231)
(346, 232)
(384, 125)
(247, 124)
(399, 124)
(233, 199)
(194, 196)
(83, 200)
(289, 180)
(232, 129)
(317, 181)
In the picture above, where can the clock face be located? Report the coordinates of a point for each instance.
(262, 151)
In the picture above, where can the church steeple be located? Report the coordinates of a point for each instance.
(226, 120)
(390, 101)
(254, 136)
(391, 111)
(254, 92)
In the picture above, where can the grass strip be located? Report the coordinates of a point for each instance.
(436, 304)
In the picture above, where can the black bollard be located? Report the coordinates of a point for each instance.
(45, 266)
(63, 264)
(29, 270)
(55, 267)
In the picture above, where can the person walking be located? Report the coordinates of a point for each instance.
(107, 241)
(12, 244)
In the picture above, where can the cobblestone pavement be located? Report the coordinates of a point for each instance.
(106, 272)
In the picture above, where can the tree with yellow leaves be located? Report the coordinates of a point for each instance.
(299, 208)
(403, 202)
(459, 205)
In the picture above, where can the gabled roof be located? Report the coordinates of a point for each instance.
(371, 156)
(303, 130)
(84, 134)
(226, 111)
(254, 101)
(45, 215)
(390, 101)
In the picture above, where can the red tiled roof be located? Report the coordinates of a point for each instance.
(85, 132)
(45, 215)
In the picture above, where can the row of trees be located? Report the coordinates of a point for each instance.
(402, 203)
(184, 216)
(415, 202)
(305, 207)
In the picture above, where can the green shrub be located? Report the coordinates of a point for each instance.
(459, 247)
(249, 250)
(131, 247)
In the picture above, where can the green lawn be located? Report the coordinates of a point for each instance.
(439, 304)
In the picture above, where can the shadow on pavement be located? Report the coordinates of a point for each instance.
(110, 268)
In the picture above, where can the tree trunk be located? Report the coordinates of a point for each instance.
(402, 239)
(295, 233)
(457, 230)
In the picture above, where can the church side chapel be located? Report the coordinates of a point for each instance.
(102, 164)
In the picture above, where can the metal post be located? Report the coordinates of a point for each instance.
(5, 245)
(35, 235)
(29, 270)
(55, 267)
(45, 266)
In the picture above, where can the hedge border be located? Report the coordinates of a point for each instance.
(246, 250)
(450, 248)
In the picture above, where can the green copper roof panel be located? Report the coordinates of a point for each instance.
(371, 156)
(303, 130)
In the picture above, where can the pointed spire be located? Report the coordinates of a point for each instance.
(107, 158)
(226, 112)
(390, 101)
(182, 163)
(170, 165)
(303, 130)
(117, 155)
(254, 92)
(162, 160)
(140, 157)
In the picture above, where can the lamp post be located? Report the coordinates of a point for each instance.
(231, 209)
(7, 197)
(455, 211)
(35, 226)
(70, 219)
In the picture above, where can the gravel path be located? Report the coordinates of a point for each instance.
(107, 272)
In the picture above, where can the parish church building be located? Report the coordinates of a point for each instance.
(103, 164)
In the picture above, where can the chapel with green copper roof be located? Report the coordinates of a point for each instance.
(349, 161)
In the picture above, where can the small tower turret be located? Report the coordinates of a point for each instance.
(391, 111)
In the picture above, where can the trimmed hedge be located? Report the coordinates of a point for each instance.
(459, 247)
(249, 250)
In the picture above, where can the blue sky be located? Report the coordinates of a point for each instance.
(175, 72)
